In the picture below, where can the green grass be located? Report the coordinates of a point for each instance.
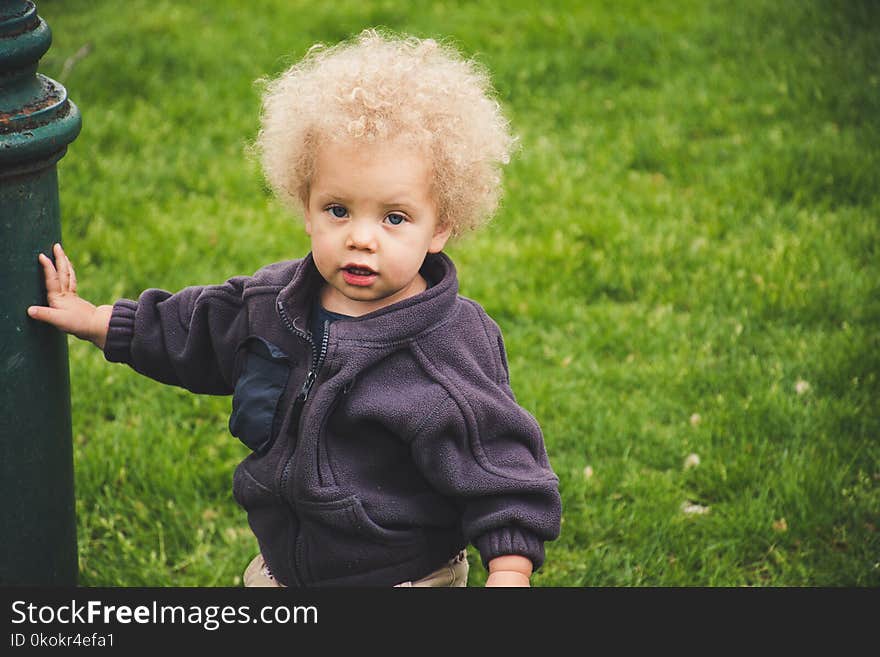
(689, 229)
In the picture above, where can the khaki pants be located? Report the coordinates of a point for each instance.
(453, 573)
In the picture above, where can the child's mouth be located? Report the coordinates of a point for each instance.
(358, 275)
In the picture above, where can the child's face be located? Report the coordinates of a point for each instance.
(372, 218)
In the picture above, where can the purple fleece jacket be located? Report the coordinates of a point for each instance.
(376, 457)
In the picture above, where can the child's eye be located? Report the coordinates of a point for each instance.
(395, 219)
(337, 211)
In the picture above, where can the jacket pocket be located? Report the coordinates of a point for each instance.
(249, 492)
(273, 522)
(257, 392)
(338, 539)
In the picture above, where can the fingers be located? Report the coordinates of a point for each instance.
(44, 314)
(53, 284)
(61, 264)
(60, 276)
(72, 274)
(62, 309)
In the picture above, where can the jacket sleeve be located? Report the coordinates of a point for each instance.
(481, 448)
(187, 339)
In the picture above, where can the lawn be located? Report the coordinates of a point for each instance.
(685, 267)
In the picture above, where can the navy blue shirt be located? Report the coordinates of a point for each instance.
(322, 317)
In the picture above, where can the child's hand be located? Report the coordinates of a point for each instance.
(507, 578)
(67, 311)
(509, 570)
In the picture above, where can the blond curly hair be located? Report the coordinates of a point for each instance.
(379, 87)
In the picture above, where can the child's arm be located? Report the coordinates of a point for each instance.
(188, 339)
(68, 311)
(487, 451)
(480, 446)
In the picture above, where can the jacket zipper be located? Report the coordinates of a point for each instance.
(301, 398)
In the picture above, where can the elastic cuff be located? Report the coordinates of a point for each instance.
(510, 540)
(117, 348)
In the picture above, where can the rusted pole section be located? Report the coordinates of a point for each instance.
(37, 122)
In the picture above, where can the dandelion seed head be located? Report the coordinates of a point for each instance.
(691, 509)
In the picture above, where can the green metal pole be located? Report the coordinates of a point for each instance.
(37, 122)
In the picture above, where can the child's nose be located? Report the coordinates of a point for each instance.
(362, 235)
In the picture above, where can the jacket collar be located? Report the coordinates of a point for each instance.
(395, 323)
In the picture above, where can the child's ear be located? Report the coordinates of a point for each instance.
(441, 236)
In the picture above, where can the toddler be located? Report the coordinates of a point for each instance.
(376, 401)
